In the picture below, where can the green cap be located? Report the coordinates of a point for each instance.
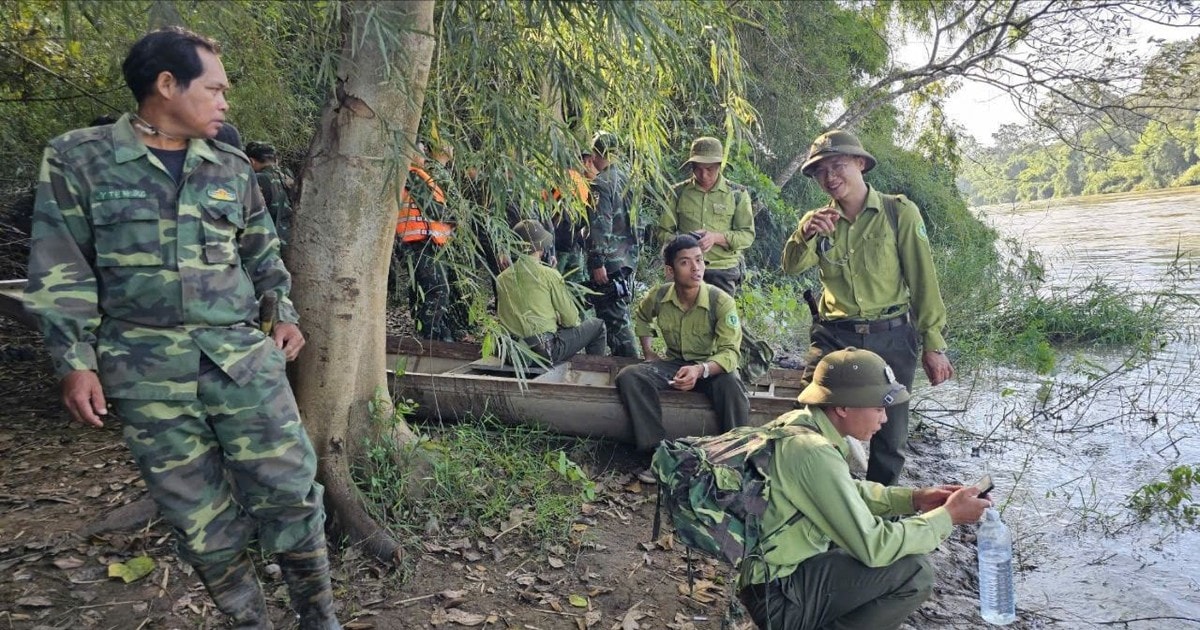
(705, 150)
(853, 378)
(533, 233)
(836, 142)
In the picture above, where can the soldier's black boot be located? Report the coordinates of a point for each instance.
(307, 577)
(235, 589)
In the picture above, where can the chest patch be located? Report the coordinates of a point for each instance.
(222, 194)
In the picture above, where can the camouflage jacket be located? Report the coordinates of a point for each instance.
(612, 241)
(135, 278)
(274, 186)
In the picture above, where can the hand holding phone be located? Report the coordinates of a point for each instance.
(984, 485)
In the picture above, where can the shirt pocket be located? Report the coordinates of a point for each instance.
(879, 254)
(126, 233)
(222, 226)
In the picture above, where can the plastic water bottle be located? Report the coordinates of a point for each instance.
(997, 599)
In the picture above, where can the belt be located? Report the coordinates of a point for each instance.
(863, 327)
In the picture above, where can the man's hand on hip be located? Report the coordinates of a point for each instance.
(937, 367)
(84, 397)
(289, 339)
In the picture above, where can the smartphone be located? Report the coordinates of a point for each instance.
(984, 485)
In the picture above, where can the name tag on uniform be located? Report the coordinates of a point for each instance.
(109, 195)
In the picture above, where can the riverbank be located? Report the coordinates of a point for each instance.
(59, 479)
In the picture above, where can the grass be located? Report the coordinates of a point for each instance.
(476, 478)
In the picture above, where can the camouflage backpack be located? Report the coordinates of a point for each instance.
(715, 489)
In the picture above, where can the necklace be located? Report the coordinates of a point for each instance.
(145, 127)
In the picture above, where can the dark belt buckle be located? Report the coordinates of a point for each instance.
(863, 328)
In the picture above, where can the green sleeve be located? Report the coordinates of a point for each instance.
(62, 288)
(799, 254)
(729, 334)
(741, 230)
(820, 486)
(564, 305)
(258, 246)
(644, 314)
(668, 222)
(916, 259)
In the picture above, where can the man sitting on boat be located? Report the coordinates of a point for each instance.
(533, 304)
(700, 327)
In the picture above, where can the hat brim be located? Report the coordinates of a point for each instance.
(865, 396)
(702, 159)
(835, 151)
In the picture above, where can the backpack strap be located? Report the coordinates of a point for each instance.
(891, 207)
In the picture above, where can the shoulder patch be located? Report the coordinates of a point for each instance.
(732, 319)
(922, 233)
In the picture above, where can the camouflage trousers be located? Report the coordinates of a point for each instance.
(572, 265)
(833, 590)
(433, 297)
(619, 330)
(233, 464)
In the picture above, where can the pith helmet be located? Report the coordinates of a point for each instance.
(260, 151)
(705, 150)
(853, 378)
(836, 142)
(533, 233)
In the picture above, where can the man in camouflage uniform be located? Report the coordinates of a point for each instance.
(275, 187)
(612, 245)
(151, 251)
(714, 210)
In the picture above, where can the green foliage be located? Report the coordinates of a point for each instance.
(772, 307)
(1170, 499)
(479, 475)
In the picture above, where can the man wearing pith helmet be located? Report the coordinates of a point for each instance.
(879, 288)
(877, 574)
(714, 210)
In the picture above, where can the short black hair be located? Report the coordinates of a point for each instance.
(172, 49)
(676, 245)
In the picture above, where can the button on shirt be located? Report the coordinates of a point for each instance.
(809, 473)
(864, 275)
(688, 334)
(722, 209)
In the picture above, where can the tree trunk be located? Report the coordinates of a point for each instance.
(345, 225)
(789, 171)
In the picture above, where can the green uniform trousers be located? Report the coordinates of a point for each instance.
(567, 342)
(618, 328)
(234, 463)
(834, 591)
(728, 280)
(898, 347)
(639, 386)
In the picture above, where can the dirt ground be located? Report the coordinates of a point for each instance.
(59, 482)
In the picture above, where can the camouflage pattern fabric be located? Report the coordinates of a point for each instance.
(274, 188)
(307, 577)
(612, 240)
(716, 488)
(431, 292)
(235, 589)
(136, 278)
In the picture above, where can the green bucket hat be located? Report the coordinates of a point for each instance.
(853, 378)
(705, 150)
(836, 142)
(533, 233)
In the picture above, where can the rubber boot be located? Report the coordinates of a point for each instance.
(307, 577)
(235, 589)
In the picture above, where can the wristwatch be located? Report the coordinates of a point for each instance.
(942, 351)
(704, 364)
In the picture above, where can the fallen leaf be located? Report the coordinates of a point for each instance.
(578, 601)
(35, 601)
(556, 562)
(464, 618)
(358, 625)
(704, 591)
(136, 569)
(70, 562)
(592, 617)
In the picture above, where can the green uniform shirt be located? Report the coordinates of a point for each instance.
(809, 473)
(725, 209)
(532, 299)
(689, 335)
(864, 276)
(134, 276)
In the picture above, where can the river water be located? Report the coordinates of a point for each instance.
(1068, 449)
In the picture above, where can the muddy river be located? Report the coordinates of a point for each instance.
(1069, 448)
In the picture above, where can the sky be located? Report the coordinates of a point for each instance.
(981, 109)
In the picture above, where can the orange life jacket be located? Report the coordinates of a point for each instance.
(411, 227)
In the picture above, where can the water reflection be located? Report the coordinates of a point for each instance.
(1068, 450)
